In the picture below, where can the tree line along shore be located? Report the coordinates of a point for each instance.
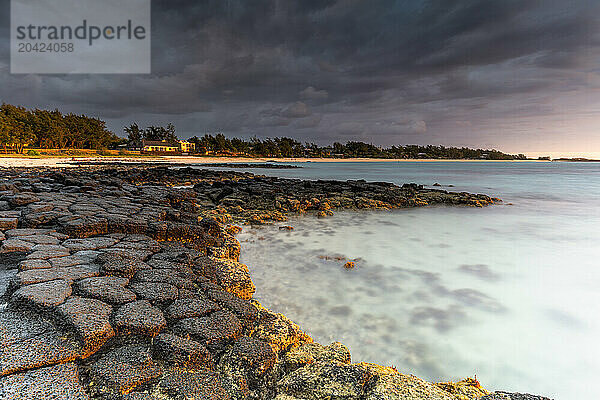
(39, 132)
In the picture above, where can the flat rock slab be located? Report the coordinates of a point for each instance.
(139, 317)
(26, 232)
(33, 264)
(214, 331)
(58, 382)
(50, 247)
(90, 243)
(124, 267)
(128, 253)
(188, 308)
(158, 292)
(185, 352)
(181, 279)
(45, 294)
(125, 368)
(46, 254)
(40, 239)
(13, 245)
(90, 320)
(22, 199)
(38, 351)
(65, 273)
(17, 326)
(8, 223)
(110, 289)
(202, 384)
(68, 261)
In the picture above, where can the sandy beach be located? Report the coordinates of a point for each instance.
(73, 161)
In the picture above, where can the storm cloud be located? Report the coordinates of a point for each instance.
(516, 75)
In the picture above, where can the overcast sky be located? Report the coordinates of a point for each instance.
(519, 76)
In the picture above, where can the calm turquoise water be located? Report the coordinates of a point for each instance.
(509, 293)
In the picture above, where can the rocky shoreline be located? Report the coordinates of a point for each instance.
(124, 282)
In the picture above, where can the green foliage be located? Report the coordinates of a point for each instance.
(158, 133)
(287, 147)
(51, 129)
(33, 153)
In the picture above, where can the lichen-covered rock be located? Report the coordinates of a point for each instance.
(182, 278)
(17, 326)
(8, 223)
(90, 320)
(50, 274)
(26, 232)
(43, 295)
(38, 351)
(278, 331)
(213, 331)
(181, 351)
(85, 227)
(33, 264)
(188, 308)
(308, 353)
(110, 289)
(233, 276)
(40, 239)
(57, 382)
(326, 380)
(243, 309)
(395, 386)
(46, 254)
(466, 389)
(251, 355)
(122, 266)
(201, 384)
(123, 369)
(139, 317)
(93, 243)
(155, 292)
(15, 245)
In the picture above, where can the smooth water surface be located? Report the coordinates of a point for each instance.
(508, 293)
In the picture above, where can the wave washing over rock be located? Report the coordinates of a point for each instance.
(116, 285)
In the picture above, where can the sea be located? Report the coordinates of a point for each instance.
(509, 294)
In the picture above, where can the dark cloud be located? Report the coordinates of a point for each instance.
(444, 72)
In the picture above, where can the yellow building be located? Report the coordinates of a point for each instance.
(161, 146)
(186, 147)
